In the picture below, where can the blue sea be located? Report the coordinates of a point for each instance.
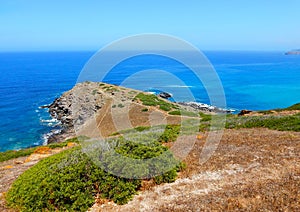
(28, 80)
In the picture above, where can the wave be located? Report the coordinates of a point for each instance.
(179, 86)
(46, 136)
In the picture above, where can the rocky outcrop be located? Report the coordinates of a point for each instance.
(205, 107)
(244, 112)
(293, 52)
(78, 104)
(165, 95)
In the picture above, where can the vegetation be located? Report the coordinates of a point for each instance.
(205, 117)
(120, 105)
(183, 113)
(94, 92)
(282, 123)
(144, 110)
(11, 154)
(70, 180)
(152, 100)
(170, 133)
(67, 181)
(293, 107)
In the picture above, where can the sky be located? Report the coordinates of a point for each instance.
(44, 25)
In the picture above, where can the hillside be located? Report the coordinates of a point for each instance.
(255, 166)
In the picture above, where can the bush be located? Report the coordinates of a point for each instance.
(183, 113)
(70, 180)
(67, 181)
(170, 134)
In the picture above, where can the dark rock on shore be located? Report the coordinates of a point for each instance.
(244, 112)
(165, 95)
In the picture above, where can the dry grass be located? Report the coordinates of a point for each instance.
(252, 170)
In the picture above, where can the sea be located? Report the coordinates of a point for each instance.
(250, 80)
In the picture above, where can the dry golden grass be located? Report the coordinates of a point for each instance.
(252, 170)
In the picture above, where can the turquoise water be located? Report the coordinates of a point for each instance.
(251, 80)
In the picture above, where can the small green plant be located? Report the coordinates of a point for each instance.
(121, 105)
(114, 106)
(165, 107)
(142, 128)
(94, 92)
(144, 110)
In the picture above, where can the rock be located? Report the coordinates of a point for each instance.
(244, 112)
(164, 95)
(18, 162)
(44, 106)
(204, 107)
(293, 52)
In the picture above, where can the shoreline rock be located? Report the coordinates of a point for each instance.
(205, 107)
(165, 95)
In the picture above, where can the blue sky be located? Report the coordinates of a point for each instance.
(209, 25)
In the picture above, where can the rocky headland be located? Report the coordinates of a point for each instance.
(88, 100)
(293, 52)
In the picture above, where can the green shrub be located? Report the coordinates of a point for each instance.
(165, 107)
(294, 107)
(67, 181)
(142, 128)
(183, 113)
(170, 133)
(175, 113)
(145, 159)
(94, 92)
(152, 100)
(70, 180)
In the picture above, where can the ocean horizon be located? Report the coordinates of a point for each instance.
(253, 80)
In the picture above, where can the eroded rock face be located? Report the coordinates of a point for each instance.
(78, 104)
(244, 112)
